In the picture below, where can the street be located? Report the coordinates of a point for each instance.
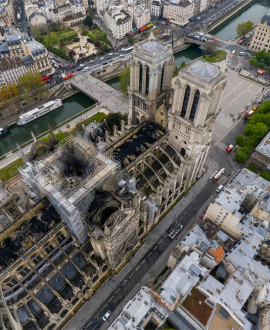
(152, 257)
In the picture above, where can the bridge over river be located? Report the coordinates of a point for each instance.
(103, 93)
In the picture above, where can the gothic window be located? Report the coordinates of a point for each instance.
(60, 237)
(147, 81)
(23, 270)
(140, 77)
(48, 247)
(194, 105)
(36, 258)
(10, 282)
(161, 80)
(185, 102)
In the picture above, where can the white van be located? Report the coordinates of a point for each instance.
(219, 188)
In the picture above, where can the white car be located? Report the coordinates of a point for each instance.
(102, 58)
(107, 315)
(86, 69)
(92, 61)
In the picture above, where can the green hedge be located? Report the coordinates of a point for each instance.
(67, 35)
(60, 52)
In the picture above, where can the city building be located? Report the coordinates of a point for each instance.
(246, 193)
(97, 195)
(178, 11)
(141, 16)
(54, 11)
(7, 12)
(118, 21)
(156, 8)
(261, 36)
(261, 156)
(142, 311)
(11, 68)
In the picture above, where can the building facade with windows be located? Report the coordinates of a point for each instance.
(178, 11)
(156, 8)
(11, 68)
(261, 37)
(141, 16)
(118, 21)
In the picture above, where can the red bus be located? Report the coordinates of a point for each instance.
(46, 79)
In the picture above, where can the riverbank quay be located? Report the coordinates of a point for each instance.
(227, 16)
(14, 154)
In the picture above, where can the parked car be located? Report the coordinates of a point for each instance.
(86, 69)
(107, 315)
(247, 44)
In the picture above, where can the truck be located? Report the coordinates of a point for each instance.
(65, 77)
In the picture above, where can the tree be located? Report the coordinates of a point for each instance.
(210, 47)
(114, 118)
(51, 40)
(244, 28)
(241, 156)
(88, 21)
(183, 64)
(253, 61)
(31, 84)
(97, 44)
(252, 168)
(265, 175)
(71, 53)
(259, 131)
(124, 77)
(240, 140)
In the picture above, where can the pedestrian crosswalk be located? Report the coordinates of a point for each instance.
(222, 180)
(222, 146)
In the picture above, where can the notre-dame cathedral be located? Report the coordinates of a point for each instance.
(96, 194)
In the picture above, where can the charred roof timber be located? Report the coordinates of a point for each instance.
(141, 139)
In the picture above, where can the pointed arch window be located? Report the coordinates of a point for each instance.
(161, 79)
(147, 81)
(185, 101)
(140, 77)
(194, 105)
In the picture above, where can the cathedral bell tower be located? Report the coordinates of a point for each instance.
(151, 70)
(195, 106)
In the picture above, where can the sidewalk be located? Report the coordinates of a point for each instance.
(13, 156)
(97, 301)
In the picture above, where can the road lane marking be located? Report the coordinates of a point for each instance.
(137, 268)
(154, 248)
(125, 281)
(117, 291)
(149, 254)
(131, 275)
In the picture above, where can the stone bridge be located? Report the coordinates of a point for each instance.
(106, 95)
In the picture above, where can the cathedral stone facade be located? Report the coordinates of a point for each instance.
(95, 195)
(151, 70)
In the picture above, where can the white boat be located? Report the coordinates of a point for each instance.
(38, 112)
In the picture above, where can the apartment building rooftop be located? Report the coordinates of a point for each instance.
(245, 184)
(8, 63)
(183, 277)
(231, 296)
(142, 311)
(264, 146)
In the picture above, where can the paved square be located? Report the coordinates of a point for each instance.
(237, 94)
